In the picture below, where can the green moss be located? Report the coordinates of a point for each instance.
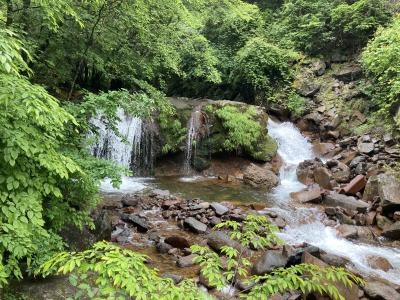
(266, 150)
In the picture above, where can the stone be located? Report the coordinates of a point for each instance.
(309, 89)
(163, 247)
(381, 291)
(295, 255)
(215, 220)
(323, 148)
(169, 203)
(347, 202)
(356, 185)
(219, 209)
(370, 218)
(371, 189)
(130, 200)
(160, 193)
(392, 231)
(195, 225)
(279, 222)
(186, 261)
(388, 191)
(269, 261)
(348, 293)
(323, 177)
(305, 170)
(379, 263)
(341, 173)
(333, 260)
(175, 278)
(382, 222)
(306, 196)
(217, 239)
(348, 74)
(141, 224)
(366, 148)
(396, 216)
(177, 242)
(319, 67)
(111, 204)
(347, 231)
(260, 177)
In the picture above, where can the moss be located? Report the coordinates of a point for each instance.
(265, 150)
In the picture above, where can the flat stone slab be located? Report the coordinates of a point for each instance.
(195, 225)
(347, 202)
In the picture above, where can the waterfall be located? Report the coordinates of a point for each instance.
(131, 149)
(306, 224)
(197, 129)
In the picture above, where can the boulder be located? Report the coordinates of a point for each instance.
(341, 172)
(347, 231)
(305, 170)
(309, 89)
(366, 148)
(186, 261)
(333, 260)
(260, 177)
(379, 263)
(269, 261)
(177, 242)
(355, 185)
(217, 239)
(371, 189)
(383, 222)
(388, 191)
(306, 196)
(323, 177)
(219, 209)
(348, 74)
(319, 67)
(381, 291)
(347, 202)
(130, 200)
(348, 293)
(195, 225)
(163, 247)
(392, 231)
(141, 224)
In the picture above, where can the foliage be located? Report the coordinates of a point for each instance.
(295, 103)
(257, 232)
(243, 129)
(107, 271)
(381, 62)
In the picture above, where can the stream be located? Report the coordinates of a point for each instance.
(304, 224)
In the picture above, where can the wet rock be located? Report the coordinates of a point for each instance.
(141, 224)
(295, 255)
(379, 263)
(306, 196)
(260, 177)
(269, 261)
(186, 261)
(195, 225)
(355, 185)
(382, 222)
(305, 170)
(130, 200)
(160, 193)
(163, 247)
(333, 260)
(167, 204)
(348, 293)
(366, 148)
(279, 222)
(203, 205)
(219, 209)
(217, 239)
(348, 74)
(347, 202)
(347, 231)
(393, 231)
(323, 148)
(177, 242)
(381, 291)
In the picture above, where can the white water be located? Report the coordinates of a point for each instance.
(305, 224)
(128, 185)
(112, 147)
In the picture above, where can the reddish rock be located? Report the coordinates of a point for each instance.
(323, 177)
(355, 185)
(323, 148)
(313, 195)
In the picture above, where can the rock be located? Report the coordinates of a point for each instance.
(217, 239)
(279, 222)
(305, 170)
(175, 278)
(195, 225)
(396, 216)
(381, 291)
(186, 261)
(219, 209)
(366, 148)
(269, 261)
(160, 193)
(379, 263)
(260, 177)
(130, 200)
(371, 218)
(295, 255)
(309, 90)
(323, 148)
(323, 177)
(348, 293)
(177, 242)
(347, 202)
(141, 224)
(348, 74)
(341, 173)
(306, 196)
(393, 231)
(163, 247)
(214, 221)
(347, 231)
(319, 67)
(382, 222)
(356, 161)
(355, 185)
(333, 260)
(388, 190)
(169, 203)
(111, 204)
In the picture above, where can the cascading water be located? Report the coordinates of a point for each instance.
(305, 224)
(132, 149)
